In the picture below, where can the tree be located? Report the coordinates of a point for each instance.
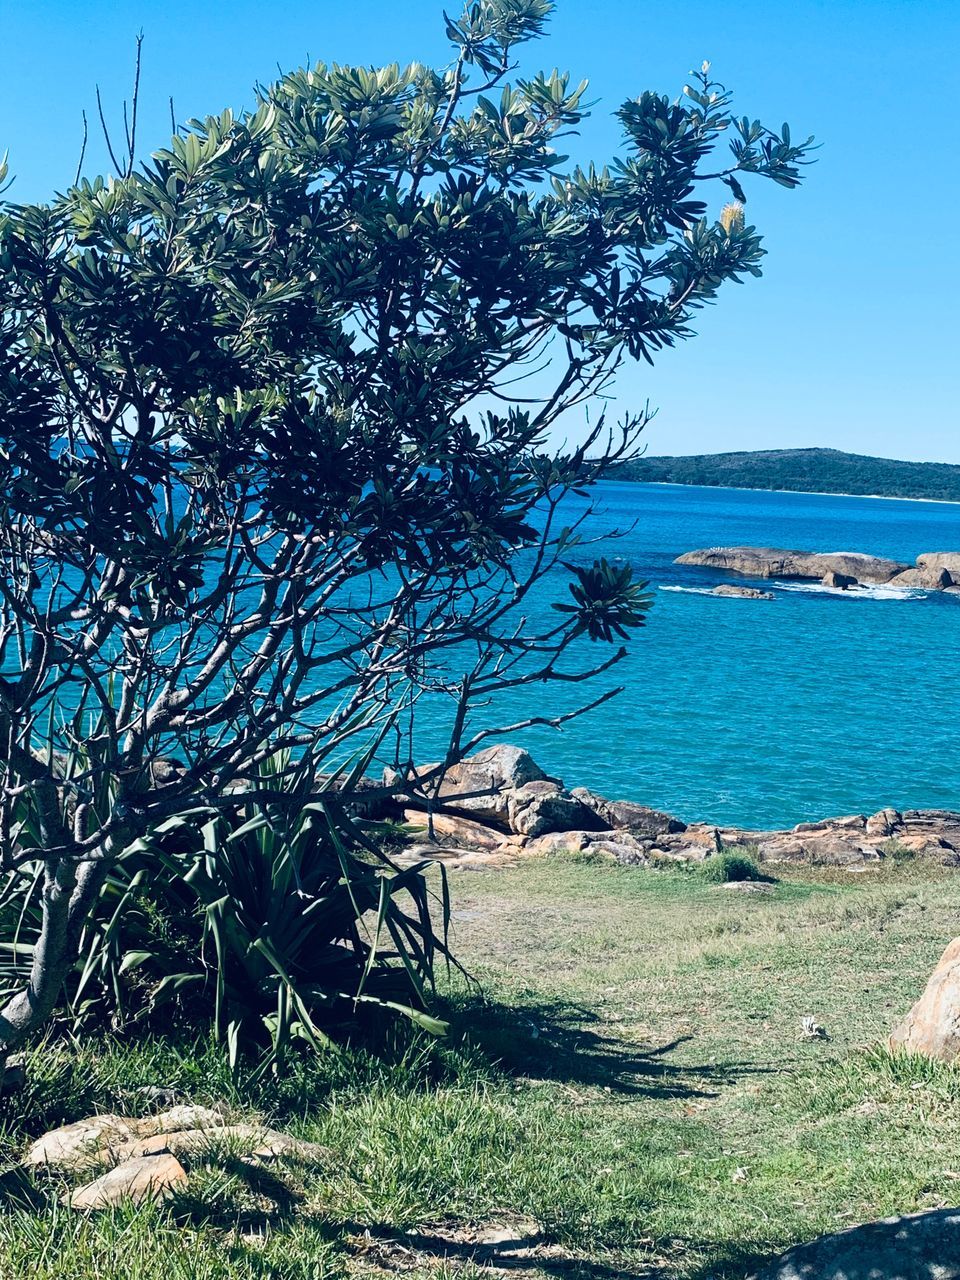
(269, 472)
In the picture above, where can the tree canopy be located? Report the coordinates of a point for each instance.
(276, 451)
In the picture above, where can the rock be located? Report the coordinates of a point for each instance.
(884, 823)
(248, 1139)
(451, 829)
(817, 849)
(555, 842)
(850, 822)
(153, 1177)
(937, 560)
(479, 786)
(539, 807)
(930, 579)
(81, 1145)
(932, 1027)
(623, 815)
(774, 562)
(839, 581)
(919, 1246)
(622, 847)
(98, 1140)
(743, 593)
(748, 887)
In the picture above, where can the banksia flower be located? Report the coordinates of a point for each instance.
(731, 217)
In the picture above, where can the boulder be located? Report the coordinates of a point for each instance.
(930, 579)
(539, 807)
(479, 786)
(742, 593)
(883, 823)
(623, 815)
(822, 849)
(451, 829)
(932, 1027)
(555, 842)
(153, 1177)
(919, 1246)
(937, 560)
(839, 581)
(774, 562)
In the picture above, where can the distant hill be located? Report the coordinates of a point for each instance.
(816, 470)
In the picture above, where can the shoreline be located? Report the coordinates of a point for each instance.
(812, 493)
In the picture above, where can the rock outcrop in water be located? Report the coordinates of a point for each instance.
(742, 593)
(934, 570)
(499, 805)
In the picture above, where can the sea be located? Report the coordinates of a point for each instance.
(761, 713)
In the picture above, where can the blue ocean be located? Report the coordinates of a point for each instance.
(767, 713)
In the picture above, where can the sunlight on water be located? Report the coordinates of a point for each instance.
(767, 713)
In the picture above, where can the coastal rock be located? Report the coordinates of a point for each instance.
(480, 786)
(851, 822)
(918, 1246)
(775, 562)
(932, 1027)
(539, 807)
(937, 560)
(930, 579)
(640, 820)
(884, 823)
(742, 593)
(451, 829)
(841, 581)
(823, 849)
(555, 842)
(153, 1177)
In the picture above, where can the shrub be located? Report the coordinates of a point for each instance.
(730, 865)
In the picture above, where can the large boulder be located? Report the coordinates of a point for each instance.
(927, 577)
(480, 786)
(932, 1027)
(775, 562)
(919, 1246)
(539, 807)
(624, 815)
(937, 560)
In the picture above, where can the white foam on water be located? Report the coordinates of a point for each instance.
(876, 592)
(862, 592)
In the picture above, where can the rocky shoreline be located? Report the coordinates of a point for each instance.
(499, 805)
(933, 571)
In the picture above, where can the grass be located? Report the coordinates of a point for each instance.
(627, 1094)
(730, 867)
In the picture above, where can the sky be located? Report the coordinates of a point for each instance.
(850, 338)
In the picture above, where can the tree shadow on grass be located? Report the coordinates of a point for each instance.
(567, 1043)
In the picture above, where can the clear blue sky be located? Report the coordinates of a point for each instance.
(850, 338)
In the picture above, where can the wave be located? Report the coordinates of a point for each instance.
(875, 592)
(863, 591)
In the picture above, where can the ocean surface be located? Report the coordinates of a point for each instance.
(765, 713)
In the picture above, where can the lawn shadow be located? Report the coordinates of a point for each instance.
(524, 1251)
(561, 1041)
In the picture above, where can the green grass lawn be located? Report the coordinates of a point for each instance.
(628, 1092)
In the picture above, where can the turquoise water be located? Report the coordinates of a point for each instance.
(766, 713)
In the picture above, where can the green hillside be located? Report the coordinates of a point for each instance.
(820, 470)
